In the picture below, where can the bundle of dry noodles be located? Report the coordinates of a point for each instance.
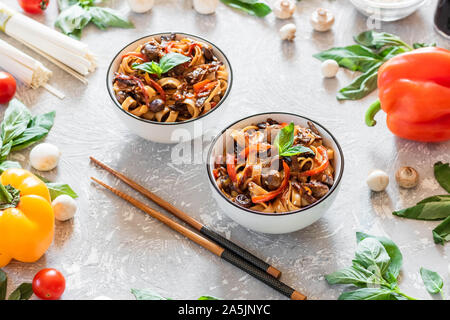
(71, 55)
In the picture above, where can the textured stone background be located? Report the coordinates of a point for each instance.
(111, 247)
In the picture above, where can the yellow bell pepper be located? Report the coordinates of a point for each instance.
(27, 221)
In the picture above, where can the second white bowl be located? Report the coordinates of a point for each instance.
(276, 223)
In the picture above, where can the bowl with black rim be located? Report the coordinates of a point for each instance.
(275, 223)
(168, 132)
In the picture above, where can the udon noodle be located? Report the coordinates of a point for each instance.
(186, 91)
(251, 172)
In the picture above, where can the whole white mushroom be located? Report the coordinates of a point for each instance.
(205, 6)
(64, 207)
(377, 180)
(44, 156)
(287, 32)
(329, 68)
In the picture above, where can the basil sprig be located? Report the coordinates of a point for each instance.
(251, 7)
(147, 294)
(432, 281)
(371, 50)
(284, 142)
(23, 292)
(374, 271)
(20, 129)
(166, 63)
(76, 14)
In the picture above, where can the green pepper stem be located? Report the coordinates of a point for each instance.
(371, 112)
(5, 196)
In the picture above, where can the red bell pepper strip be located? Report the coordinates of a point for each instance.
(323, 163)
(254, 147)
(158, 88)
(231, 167)
(270, 195)
(200, 85)
(137, 55)
(216, 173)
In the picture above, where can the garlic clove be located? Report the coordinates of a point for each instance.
(205, 6)
(287, 32)
(64, 207)
(322, 20)
(329, 68)
(407, 177)
(284, 9)
(377, 180)
(44, 156)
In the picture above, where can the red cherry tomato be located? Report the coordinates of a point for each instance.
(7, 87)
(49, 284)
(34, 6)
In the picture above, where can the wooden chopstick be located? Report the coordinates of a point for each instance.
(244, 254)
(210, 246)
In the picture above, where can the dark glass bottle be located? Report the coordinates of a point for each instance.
(442, 18)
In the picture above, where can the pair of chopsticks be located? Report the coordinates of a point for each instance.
(206, 238)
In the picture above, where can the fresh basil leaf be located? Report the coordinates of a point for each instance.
(171, 60)
(441, 233)
(442, 175)
(426, 211)
(361, 86)
(253, 8)
(207, 298)
(23, 292)
(149, 67)
(390, 52)
(368, 294)
(371, 254)
(146, 294)
(392, 250)
(16, 119)
(57, 189)
(285, 138)
(377, 40)
(72, 20)
(106, 17)
(418, 45)
(432, 280)
(356, 275)
(38, 129)
(3, 284)
(295, 150)
(438, 198)
(355, 57)
(5, 165)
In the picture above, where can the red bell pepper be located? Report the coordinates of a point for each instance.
(231, 166)
(323, 162)
(270, 195)
(158, 88)
(415, 94)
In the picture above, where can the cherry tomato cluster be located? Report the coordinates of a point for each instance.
(49, 284)
(34, 6)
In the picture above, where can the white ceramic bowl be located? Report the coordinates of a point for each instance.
(167, 132)
(276, 223)
(387, 11)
